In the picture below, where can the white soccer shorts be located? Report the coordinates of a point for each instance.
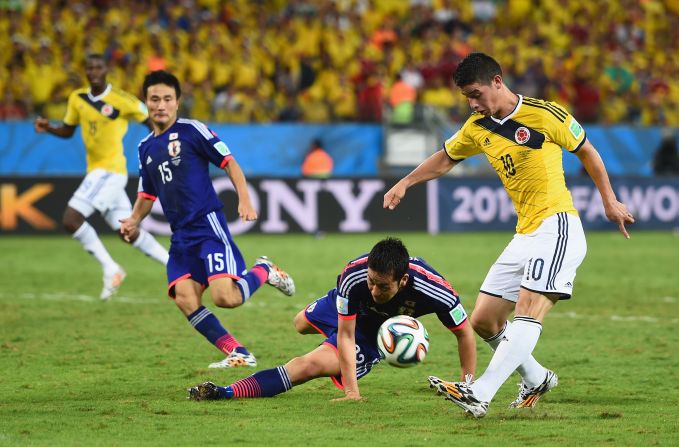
(103, 191)
(543, 261)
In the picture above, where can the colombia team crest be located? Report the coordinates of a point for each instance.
(107, 110)
(522, 135)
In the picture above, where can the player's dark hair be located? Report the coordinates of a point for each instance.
(161, 77)
(389, 255)
(476, 67)
(95, 57)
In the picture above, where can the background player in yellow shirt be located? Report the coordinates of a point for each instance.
(522, 138)
(102, 112)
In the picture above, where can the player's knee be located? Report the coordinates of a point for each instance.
(226, 298)
(309, 368)
(300, 323)
(72, 220)
(187, 304)
(71, 225)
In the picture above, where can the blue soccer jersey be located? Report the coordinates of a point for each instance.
(173, 167)
(425, 292)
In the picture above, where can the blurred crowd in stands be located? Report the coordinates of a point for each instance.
(346, 60)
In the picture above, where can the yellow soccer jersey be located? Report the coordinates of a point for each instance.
(525, 150)
(103, 124)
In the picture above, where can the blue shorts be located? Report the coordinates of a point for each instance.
(322, 316)
(203, 252)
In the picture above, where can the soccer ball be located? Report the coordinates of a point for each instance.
(402, 341)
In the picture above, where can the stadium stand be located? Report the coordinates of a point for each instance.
(327, 61)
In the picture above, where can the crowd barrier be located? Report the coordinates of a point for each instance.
(277, 150)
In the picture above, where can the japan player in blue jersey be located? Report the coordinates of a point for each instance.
(371, 288)
(173, 167)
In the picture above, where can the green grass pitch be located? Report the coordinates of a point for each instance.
(76, 371)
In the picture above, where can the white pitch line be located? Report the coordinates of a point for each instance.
(60, 296)
(616, 318)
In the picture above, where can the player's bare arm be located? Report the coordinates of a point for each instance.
(42, 125)
(129, 226)
(435, 166)
(235, 173)
(615, 211)
(466, 349)
(346, 347)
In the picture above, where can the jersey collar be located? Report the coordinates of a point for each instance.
(516, 109)
(98, 97)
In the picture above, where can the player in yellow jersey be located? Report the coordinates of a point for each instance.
(102, 112)
(522, 138)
